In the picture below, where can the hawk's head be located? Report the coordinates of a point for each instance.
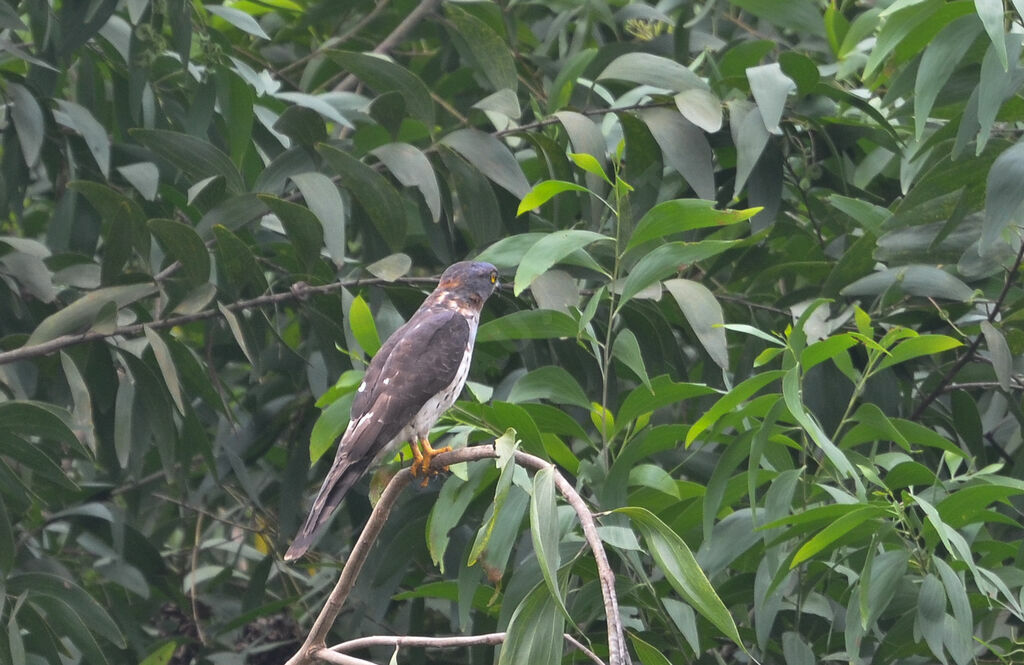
(468, 283)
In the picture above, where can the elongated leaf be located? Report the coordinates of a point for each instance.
(451, 504)
(490, 50)
(412, 168)
(770, 88)
(543, 191)
(302, 226)
(663, 391)
(528, 324)
(380, 200)
(166, 364)
(552, 383)
(704, 314)
(668, 260)
(676, 561)
(834, 532)
(627, 350)
(548, 251)
(684, 148)
(239, 19)
(1004, 198)
(182, 243)
(76, 598)
(79, 315)
(535, 632)
(648, 654)
(323, 199)
(28, 121)
(921, 345)
(653, 70)
(363, 326)
(940, 59)
(383, 75)
(81, 120)
(917, 280)
(193, 156)
(544, 530)
(491, 157)
(792, 395)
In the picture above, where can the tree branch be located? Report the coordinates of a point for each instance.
(975, 343)
(396, 36)
(299, 291)
(452, 641)
(314, 647)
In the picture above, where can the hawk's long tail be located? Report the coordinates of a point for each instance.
(340, 479)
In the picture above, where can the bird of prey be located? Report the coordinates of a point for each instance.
(414, 378)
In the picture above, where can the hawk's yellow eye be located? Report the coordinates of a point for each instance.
(494, 278)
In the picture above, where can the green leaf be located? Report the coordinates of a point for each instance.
(506, 446)
(940, 59)
(28, 121)
(931, 614)
(917, 280)
(1004, 197)
(544, 530)
(770, 88)
(704, 314)
(548, 251)
(302, 226)
(384, 75)
(166, 365)
(834, 531)
(991, 13)
(684, 148)
(791, 393)
(667, 260)
(451, 504)
(528, 324)
(492, 54)
(77, 599)
(374, 193)
(534, 633)
(750, 136)
(921, 345)
(82, 313)
(324, 200)
(551, 383)
(184, 245)
(237, 269)
(650, 69)
(391, 267)
(81, 120)
(589, 163)
(701, 107)
(627, 350)
(239, 19)
(412, 168)
(543, 191)
(801, 16)
(491, 157)
(647, 653)
(681, 569)
(330, 425)
(663, 391)
(194, 157)
(237, 331)
(363, 327)
(124, 419)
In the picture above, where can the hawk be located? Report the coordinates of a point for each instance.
(414, 378)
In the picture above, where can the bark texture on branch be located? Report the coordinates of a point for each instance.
(314, 647)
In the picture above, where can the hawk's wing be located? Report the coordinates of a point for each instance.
(416, 363)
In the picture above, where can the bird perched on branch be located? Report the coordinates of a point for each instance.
(414, 378)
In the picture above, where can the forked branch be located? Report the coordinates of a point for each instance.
(314, 648)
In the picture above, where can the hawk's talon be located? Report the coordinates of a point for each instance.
(417, 458)
(427, 455)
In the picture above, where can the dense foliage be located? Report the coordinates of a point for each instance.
(762, 265)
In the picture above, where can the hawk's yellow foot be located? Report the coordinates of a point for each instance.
(427, 454)
(417, 458)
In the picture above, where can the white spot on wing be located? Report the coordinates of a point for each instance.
(387, 381)
(362, 387)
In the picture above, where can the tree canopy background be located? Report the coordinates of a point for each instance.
(762, 265)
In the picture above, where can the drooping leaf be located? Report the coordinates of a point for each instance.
(676, 561)
(383, 75)
(195, 157)
(548, 251)
(79, 315)
(182, 243)
(412, 168)
(491, 157)
(374, 193)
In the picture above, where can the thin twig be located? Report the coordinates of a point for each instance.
(299, 291)
(449, 642)
(340, 39)
(976, 342)
(195, 583)
(396, 36)
(544, 122)
(314, 645)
